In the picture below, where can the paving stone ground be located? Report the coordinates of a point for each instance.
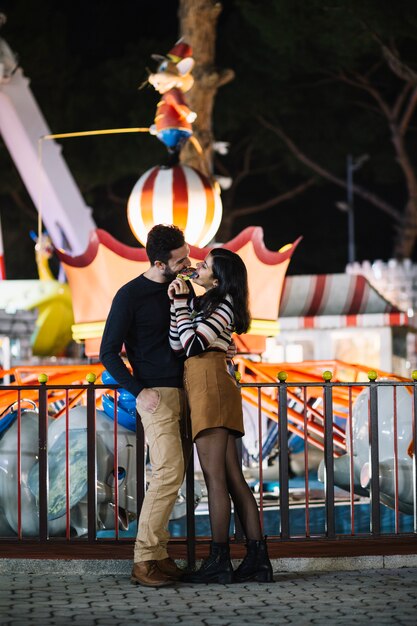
(380, 596)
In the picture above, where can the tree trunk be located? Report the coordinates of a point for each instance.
(198, 20)
(405, 240)
(406, 237)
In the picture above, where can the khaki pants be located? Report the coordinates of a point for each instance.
(163, 433)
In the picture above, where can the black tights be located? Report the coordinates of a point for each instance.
(223, 474)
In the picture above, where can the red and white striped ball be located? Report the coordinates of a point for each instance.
(177, 195)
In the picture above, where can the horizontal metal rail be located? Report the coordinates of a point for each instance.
(281, 410)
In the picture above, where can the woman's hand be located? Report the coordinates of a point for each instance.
(178, 287)
(171, 291)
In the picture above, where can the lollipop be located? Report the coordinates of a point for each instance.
(188, 273)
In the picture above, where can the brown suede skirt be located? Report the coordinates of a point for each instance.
(213, 395)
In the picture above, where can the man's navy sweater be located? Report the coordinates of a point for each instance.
(139, 319)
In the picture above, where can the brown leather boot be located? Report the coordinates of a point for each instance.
(169, 568)
(148, 574)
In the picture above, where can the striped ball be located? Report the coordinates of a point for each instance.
(177, 195)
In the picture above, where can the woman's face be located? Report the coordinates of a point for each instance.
(205, 273)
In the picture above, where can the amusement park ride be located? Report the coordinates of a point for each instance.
(96, 265)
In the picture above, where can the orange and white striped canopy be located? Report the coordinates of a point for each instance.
(335, 301)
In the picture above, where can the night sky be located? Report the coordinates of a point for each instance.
(102, 30)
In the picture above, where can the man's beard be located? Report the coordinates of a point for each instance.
(169, 274)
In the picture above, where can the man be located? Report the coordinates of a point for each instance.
(139, 320)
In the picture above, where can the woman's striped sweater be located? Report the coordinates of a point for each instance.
(191, 333)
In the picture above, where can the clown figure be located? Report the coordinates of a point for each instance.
(173, 119)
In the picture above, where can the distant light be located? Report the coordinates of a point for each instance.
(225, 182)
(221, 147)
(342, 206)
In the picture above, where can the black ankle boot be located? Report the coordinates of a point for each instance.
(256, 564)
(217, 568)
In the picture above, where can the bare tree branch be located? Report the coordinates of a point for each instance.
(27, 209)
(392, 57)
(283, 197)
(242, 174)
(402, 71)
(401, 99)
(256, 171)
(114, 197)
(224, 77)
(369, 107)
(324, 173)
(373, 69)
(409, 111)
(361, 82)
(397, 66)
(247, 159)
(220, 167)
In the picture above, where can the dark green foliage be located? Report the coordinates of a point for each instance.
(86, 61)
(288, 58)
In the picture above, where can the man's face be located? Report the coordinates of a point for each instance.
(179, 260)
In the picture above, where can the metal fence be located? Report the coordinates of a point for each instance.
(69, 475)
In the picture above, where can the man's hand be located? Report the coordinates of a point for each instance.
(231, 351)
(148, 400)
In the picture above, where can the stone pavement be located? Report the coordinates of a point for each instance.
(381, 596)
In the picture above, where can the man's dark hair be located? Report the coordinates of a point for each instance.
(162, 240)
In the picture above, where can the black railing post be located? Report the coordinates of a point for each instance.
(140, 465)
(239, 534)
(190, 510)
(284, 499)
(43, 459)
(91, 461)
(328, 454)
(374, 454)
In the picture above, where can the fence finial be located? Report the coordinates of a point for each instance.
(282, 376)
(327, 375)
(91, 377)
(372, 375)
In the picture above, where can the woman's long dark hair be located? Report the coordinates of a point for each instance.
(231, 274)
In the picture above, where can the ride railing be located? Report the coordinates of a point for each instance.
(73, 477)
(369, 464)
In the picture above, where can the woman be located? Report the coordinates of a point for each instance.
(203, 329)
